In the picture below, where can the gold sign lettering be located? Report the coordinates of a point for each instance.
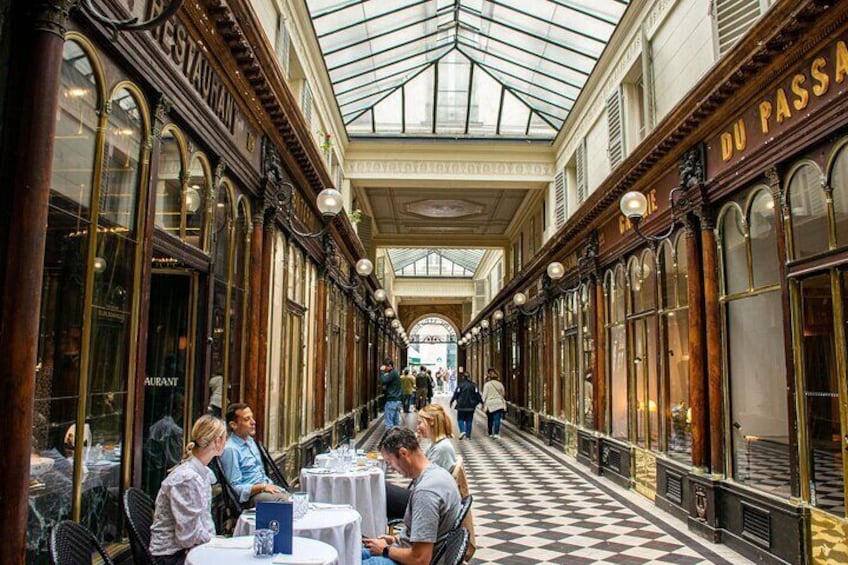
(625, 225)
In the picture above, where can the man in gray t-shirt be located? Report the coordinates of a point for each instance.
(433, 508)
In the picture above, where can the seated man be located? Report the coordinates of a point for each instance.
(241, 461)
(434, 504)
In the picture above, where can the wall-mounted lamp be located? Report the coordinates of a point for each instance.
(484, 324)
(498, 315)
(380, 295)
(634, 207)
(329, 202)
(395, 324)
(475, 330)
(519, 299)
(389, 313)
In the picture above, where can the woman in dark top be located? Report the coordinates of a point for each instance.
(466, 397)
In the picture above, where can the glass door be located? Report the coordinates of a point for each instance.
(169, 363)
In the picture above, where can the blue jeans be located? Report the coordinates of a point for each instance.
(368, 559)
(495, 421)
(391, 415)
(465, 421)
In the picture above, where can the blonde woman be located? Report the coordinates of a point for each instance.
(436, 425)
(183, 516)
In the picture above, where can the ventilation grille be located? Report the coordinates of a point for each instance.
(733, 19)
(559, 197)
(756, 525)
(674, 488)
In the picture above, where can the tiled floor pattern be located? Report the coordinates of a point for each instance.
(531, 506)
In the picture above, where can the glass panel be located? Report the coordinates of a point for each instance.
(454, 74)
(388, 114)
(734, 253)
(618, 381)
(199, 181)
(758, 411)
(169, 184)
(514, 116)
(668, 278)
(764, 259)
(808, 208)
(485, 102)
(238, 305)
(677, 360)
(821, 393)
(121, 161)
(164, 385)
(619, 293)
(587, 347)
(682, 272)
(839, 183)
(419, 103)
(76, 129)
(644, 366)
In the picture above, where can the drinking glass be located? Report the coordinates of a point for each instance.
(300, 501)
(263, 543)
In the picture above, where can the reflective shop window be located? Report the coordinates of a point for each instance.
(839, 185)
(615, 290)
(808, 210)
(642, 325)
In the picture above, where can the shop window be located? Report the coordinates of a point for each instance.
(753, 321)
(763, 240)
(586, 346)
(169, 184)
(617, 343)
(195, 202)
(808, 211)
(642, 324)
(839, 185)
(238, 302)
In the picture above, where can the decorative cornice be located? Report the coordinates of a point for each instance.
(160, 114)
(51, 16)
(498, 170)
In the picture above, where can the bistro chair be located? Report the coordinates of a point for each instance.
(138, 510)
(451, 549)
(225, 518)
(271, 468)
(464, 509)
(72, 544)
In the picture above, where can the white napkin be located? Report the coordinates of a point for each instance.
(240, 542)
(292, 559)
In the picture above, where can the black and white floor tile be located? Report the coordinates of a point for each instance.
(533, 506)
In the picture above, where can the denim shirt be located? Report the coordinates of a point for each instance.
(242, 465)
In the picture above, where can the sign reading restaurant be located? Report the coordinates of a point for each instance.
(810, 87)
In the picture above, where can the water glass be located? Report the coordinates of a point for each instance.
(263, 543)
(300, 502)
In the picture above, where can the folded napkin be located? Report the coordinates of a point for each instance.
(240, 542)
(299, 560)
(328, 506)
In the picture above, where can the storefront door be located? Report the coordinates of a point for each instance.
(170, 364)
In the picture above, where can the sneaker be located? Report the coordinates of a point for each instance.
(462, 435)
(496, 436)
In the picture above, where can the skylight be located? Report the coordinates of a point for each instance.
(458, 263)
(460, 68)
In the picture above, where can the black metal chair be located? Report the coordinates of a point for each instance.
(226, 517)
(72, 544)
(463, 511)
(138, 510)
(451, 549)
(274, 473)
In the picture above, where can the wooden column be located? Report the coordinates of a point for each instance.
(697, 355)
(599, 379)
(264, 317)
(350, 355)
(250, 394)
(546, 360)
(713, 338)
(29, 141)
(320, 350)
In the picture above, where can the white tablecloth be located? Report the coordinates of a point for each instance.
(239, 551)
(365, 490)
(339, 527)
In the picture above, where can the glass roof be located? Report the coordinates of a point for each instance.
(460, 68)
(460, 263)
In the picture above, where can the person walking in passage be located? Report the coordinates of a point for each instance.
(407, 382)
(465, 399)
(494, 402)
(390, 380)
(183, 515)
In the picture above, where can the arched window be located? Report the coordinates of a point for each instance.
(169, 182)
(221, 313)
(839, 185)
(808, 212)
(616, 290)
(753, 321)
(195, 202)
(238, 299)
(642, 324)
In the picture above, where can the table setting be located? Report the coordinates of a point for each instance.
(242, 550)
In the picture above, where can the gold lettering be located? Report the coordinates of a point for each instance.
(801, 92)
(818, 74)
(740, 135)
(841, 62)
(726, 146)
(783, 112)
(652, 201)
(623, 225)
(765, 114)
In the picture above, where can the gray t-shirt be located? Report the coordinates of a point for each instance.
(442, 453)
(434, 505)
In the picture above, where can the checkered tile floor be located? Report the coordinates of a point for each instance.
(532, 506)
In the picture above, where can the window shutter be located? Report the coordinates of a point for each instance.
(559, 199)
(366, 234)
(734, 18)
(282, 44)
(615, 149)
(479, 294)
(306, 104)
(581, 170)
(339, 177)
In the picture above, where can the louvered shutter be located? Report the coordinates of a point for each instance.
(366, 235)
(559, 199)
(581, 170)
(282, 44)
(479, 294)
(306, 104)
(615, 149)
(733, 19)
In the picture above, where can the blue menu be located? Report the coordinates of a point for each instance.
(276, 516)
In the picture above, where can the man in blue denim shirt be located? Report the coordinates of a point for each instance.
(241, 461)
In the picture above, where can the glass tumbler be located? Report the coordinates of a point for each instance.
(300, 502)
(263, 543)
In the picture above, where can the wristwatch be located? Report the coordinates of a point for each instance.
(386, 552)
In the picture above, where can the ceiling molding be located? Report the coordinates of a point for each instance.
(437, 240)
(453, 170)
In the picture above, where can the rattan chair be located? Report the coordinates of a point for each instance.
(73, 544)
(463, 511)
(451, 549)
(138, 510)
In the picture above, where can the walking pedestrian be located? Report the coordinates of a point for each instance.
(465, 398)
(494, 402)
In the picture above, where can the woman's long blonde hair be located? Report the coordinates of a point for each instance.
(438, 422)
(205, 430)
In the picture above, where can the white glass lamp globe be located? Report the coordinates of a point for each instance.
(468, 336)
(633, 205)
(395, 324)
(556, 271)
(192, 200)
(380, 295)
(497, 316)
(389, 313)
(520, 299)
(330, 202)
(364, 267)
(475, 330)
(484, 324)
(99, 265)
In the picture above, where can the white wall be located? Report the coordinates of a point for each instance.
(597, 158)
